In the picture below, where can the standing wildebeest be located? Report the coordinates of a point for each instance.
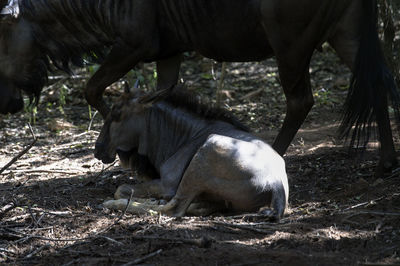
(197, 151)
(127, 32)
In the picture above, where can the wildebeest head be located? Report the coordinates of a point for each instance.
(124, 125)
(22, 66)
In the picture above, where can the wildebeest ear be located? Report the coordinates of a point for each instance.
(11, 9)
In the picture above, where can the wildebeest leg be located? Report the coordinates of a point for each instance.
(11, 100)
(148, 189)
(388, 158)
(118, 62)
(347, 50)
(346, 42)
(299, 100)
(205, 208)
(189, 188)
(168, 71)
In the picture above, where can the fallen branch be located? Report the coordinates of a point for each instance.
(7, 208)
(30, 255)
(202, 242)
(379, 213)
(22, 152)
(7, 251)
(49, 171)
(251, 94)
(111, 240)
(363, 204)
(59, 213)
(244, 227)
(140, 260)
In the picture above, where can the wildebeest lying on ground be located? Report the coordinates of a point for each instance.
(197, 151)
(123, 33)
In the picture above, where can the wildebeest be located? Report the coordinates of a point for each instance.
(197, 151)
(125, 32)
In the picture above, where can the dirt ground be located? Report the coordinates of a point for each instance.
(339, 214)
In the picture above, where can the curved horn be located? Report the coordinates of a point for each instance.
(127, 89)
(155, 96)
(12, 8)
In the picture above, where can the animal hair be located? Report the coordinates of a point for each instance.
(72, 31)
(181, 97)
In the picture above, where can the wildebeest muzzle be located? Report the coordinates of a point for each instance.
(100, 152)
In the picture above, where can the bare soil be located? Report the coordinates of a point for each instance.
(339, 214)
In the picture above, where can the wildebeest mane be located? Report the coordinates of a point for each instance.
(69, 32)
(180, 97)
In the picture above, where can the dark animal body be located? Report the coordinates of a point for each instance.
(197, 151)
(122, 33)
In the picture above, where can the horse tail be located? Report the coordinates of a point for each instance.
(371, 83)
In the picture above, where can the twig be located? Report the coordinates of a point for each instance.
(220, 84)
(380, 213)
(14, 218)
(140, 260)
(7, 251)
(251, 94)
(111, 240)
(119, 217)
(7, 208)
(30, 255)
(57, 213)
(91, 121)
(22, 152)
(202, 242)
(68, 145)
(44, 171)
(33, 217)
(244, 227)
(62, 80)
(27, 236)
(356, 206)
(362, 204)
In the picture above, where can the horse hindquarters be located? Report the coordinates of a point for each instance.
(234, 171)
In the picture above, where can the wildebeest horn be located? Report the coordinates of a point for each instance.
(155, 96)
(126, 86)
(12, 8)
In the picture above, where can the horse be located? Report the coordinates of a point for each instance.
(122, 33)
(198, 152)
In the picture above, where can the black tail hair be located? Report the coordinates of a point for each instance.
(371, 83)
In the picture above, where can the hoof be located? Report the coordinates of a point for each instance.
(270, 215)
(124, 192)
(171, 209)
(386, 168)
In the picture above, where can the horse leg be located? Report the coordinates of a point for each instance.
(118, 62)
(168, 71)
(299, 100)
